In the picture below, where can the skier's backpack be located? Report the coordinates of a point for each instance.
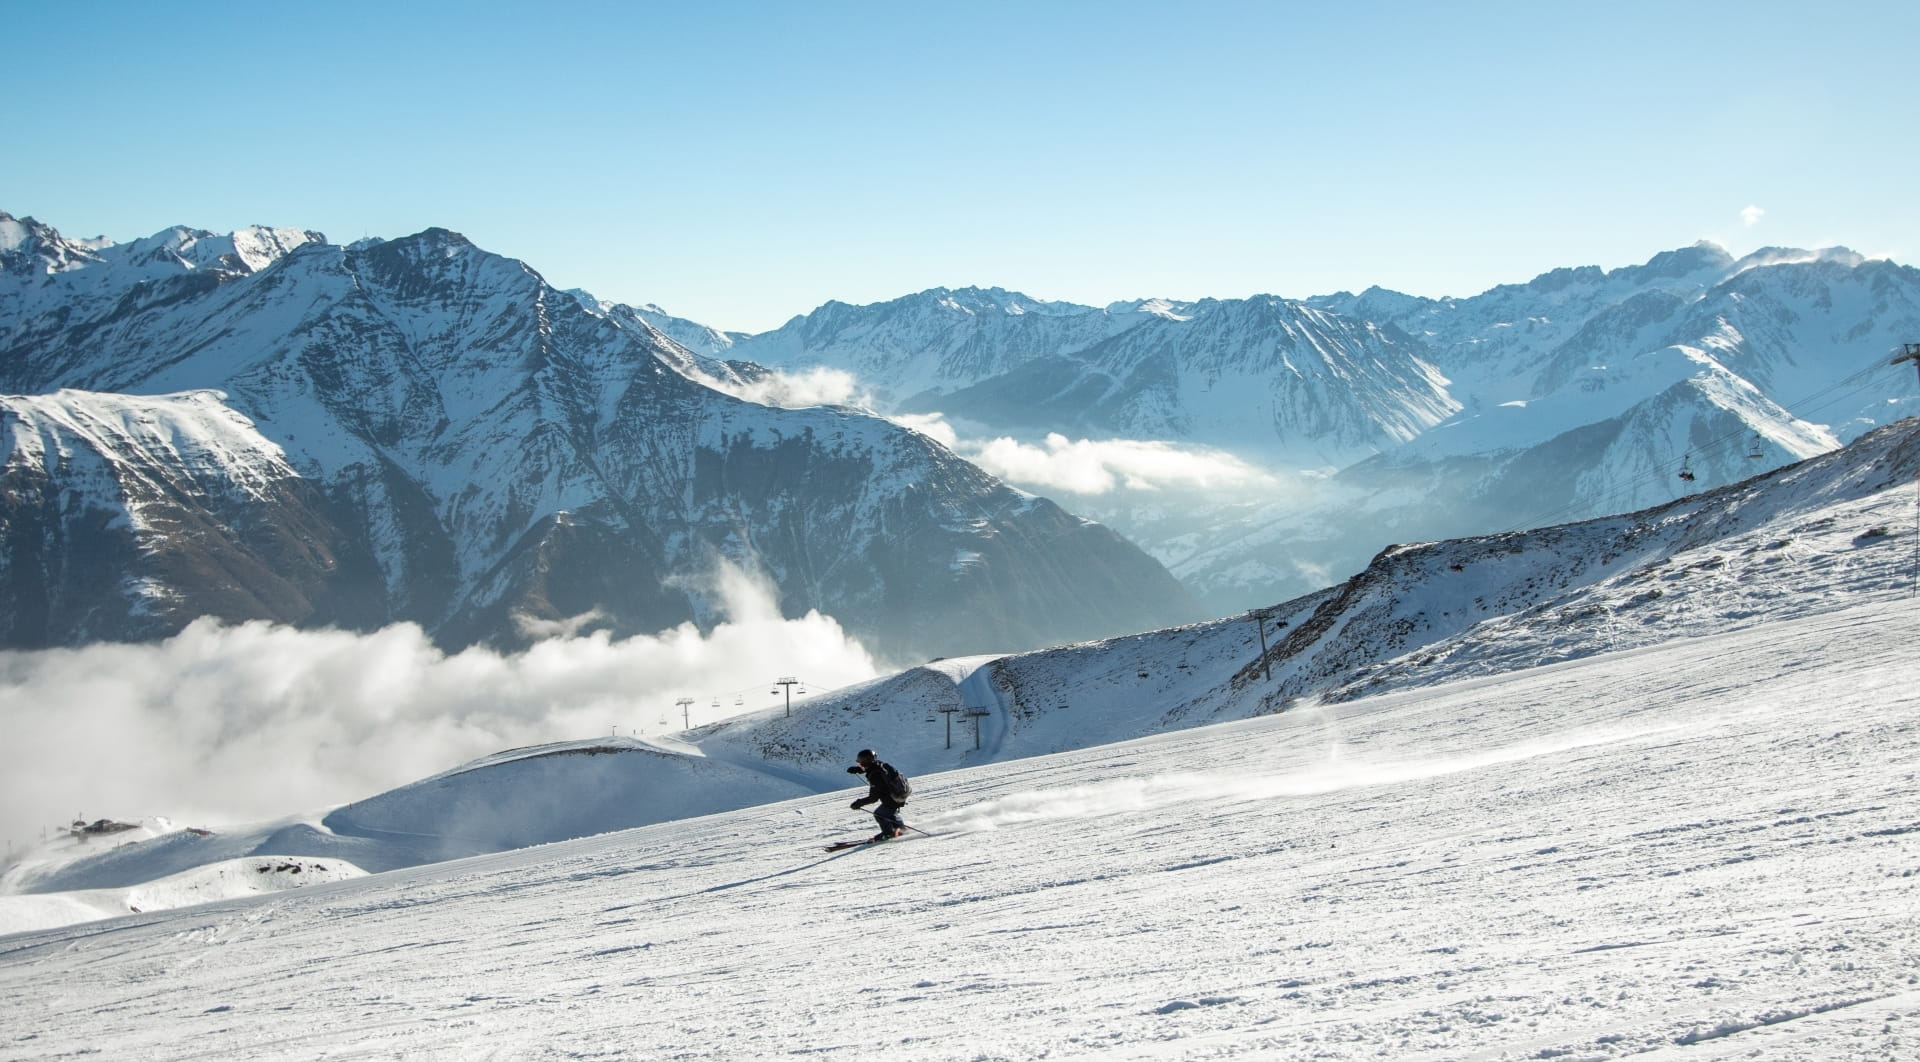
(897, 785)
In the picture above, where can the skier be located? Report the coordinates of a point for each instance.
(886, 785)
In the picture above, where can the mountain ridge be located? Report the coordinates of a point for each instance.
(489, 448)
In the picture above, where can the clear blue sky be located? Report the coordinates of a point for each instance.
(739, 163)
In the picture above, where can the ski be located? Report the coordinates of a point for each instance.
(843, 845)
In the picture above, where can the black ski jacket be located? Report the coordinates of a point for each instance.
(877, 786)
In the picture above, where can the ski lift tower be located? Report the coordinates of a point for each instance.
(948, 712)
(976, 714)
(686, 717)
(789, 682)
(1260, 617)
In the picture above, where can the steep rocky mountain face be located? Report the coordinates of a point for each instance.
(269, 426)
(1270, 378)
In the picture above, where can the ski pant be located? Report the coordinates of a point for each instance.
(888, 816)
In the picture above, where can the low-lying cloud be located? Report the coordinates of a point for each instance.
(1074, 466)
(224, 724)
(814, 387)
(1088, 466)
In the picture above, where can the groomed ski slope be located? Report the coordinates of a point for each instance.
(1707, 849)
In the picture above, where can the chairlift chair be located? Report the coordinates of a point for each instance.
(1754, 448)
(1686, 468)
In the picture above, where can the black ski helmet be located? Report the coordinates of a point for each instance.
(864, 755)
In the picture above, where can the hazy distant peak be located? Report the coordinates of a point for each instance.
(1772, 256)
(1165, 308)
(1566, 277)
(1703, 256)
(995, 300)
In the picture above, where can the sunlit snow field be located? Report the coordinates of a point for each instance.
(1707, 849)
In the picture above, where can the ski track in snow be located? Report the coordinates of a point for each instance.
(1705, 850)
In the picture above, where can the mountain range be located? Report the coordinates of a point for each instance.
(264, 425)
(1391, 418)
(268, 426)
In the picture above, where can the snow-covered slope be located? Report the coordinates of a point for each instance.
(201, 883)
(1812, 538)
(1700, 849)
(1802, 539)
(512, 799)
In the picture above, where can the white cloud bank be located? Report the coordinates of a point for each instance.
(815, 387)
(223, 724)
(1076, 466)
(1087, 466)
(1751, 216)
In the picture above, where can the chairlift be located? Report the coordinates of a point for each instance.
(1686, 468)
(1754, 449)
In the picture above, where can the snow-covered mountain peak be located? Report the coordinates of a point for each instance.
(29, 248)
(258, 246)
(13, 232)
(1166, 309)
(1775, 256)
(246, 250)
(1689, 269)
(994, 300)
(1704, 257)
